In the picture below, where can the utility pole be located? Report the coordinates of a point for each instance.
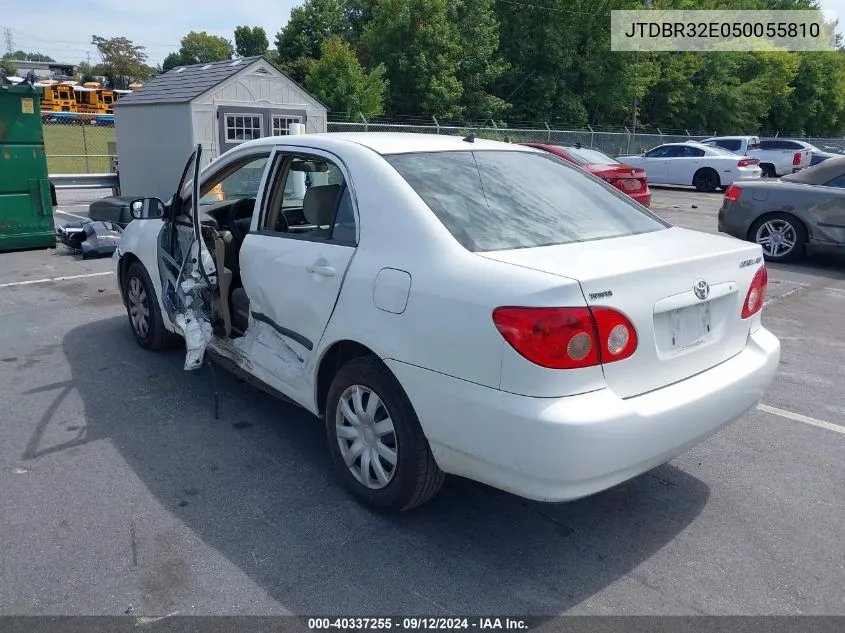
(10, 43)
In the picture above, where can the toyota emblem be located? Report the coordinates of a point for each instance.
(701, 289)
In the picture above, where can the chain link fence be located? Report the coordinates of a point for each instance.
(87, 144)
(79, 145)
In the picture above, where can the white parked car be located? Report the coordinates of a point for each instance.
(778, 157)
(707, 168)
(468, 307)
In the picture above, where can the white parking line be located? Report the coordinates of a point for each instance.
(802, 418)
(44, 281)
(73, 215)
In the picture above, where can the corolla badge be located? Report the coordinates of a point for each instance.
(701, 289)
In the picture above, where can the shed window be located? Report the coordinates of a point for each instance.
(240, 128)
(281, 124)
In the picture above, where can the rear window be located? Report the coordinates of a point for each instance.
(722, 151)
(499, 200)
(730, 144)
(587, 156)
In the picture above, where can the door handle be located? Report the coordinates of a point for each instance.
(324, 271)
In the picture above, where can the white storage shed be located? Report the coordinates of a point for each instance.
(217, 105)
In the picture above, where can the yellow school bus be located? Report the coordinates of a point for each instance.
(56, 97)
(93, 100)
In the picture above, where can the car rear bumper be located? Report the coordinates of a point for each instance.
(746, 173)
(560, 449)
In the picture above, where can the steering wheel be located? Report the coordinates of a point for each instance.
(232, 218)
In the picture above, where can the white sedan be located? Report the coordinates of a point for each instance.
(453, 306)
(705, 167)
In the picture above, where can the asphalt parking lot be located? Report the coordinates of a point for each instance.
(120, 492)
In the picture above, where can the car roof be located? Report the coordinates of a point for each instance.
(731, 138)
(387, 142)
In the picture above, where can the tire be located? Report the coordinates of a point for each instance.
(768, 171)
(706, 180)
(415, 477)
(139, 296)
(788, 227)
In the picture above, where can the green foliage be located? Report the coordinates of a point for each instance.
(250, 41)
(309, 26)
(122, 60)
(420, 48)
(8, 68)
(32, 57)
(202, 48)
(539, 61)
(338, 80)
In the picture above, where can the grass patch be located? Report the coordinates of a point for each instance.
(77, 148)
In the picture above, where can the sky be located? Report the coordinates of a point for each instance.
(37, 26)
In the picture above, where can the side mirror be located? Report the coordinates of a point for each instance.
(147, 209)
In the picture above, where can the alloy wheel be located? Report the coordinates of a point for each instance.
(777, 237)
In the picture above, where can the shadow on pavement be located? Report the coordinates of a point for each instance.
(258, 486)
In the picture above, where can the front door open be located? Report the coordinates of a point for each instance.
(187, 270)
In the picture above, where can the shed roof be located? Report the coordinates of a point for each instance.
(185, 83)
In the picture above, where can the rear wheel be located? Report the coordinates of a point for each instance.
(768, 171)
(782, 237)
(706, 180)
(376, 440)
(143, 311)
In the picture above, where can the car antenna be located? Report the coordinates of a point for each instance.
(470, 138)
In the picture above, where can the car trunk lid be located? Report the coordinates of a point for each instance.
(652, 278)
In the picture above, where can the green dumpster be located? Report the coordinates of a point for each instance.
(26, 210)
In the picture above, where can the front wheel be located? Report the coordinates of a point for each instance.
(782, 237)
(376, 440)
(143, 311)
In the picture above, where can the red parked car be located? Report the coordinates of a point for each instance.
(630, 180)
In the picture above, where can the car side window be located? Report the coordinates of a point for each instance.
(658, 152)
(238, 184)
(693, 152)
(237, 181)
(309, 199)
(839, 181)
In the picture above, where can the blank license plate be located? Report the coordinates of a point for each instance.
(689, 325)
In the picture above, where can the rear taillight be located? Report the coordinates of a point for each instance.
(732, 193)
(628, 184)
(748, 162)
(796, 160)
(756, 293)
(567, 338)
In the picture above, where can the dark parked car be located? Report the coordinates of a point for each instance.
(788, 215)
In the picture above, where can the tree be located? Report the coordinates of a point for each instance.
(309, 26)
(481, 65)
(123, 61)
(8, 69)
(420, 48)
(31, 57)
(202, 48)
(171, 61)
(250, 41)
(338, 80)
(816, 106)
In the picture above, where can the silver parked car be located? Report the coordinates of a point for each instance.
(789, 215)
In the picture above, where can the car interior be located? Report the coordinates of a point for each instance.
(308, 203)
